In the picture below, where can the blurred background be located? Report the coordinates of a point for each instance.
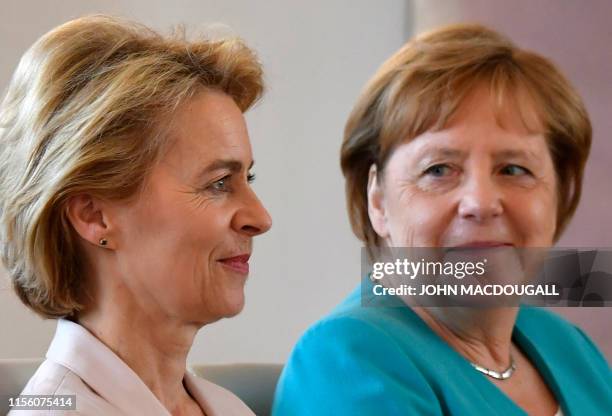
(317, 56)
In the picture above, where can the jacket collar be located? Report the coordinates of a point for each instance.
(75, 348)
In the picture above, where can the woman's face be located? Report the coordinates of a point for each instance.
(475, 183)
(182, 247)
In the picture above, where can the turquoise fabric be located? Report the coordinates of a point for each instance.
(387, 361)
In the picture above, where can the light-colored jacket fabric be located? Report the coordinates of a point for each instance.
(80, 364)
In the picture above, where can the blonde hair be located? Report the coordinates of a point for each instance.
(422, 85)
(82, 114)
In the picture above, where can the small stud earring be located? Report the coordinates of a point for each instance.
(103, 242)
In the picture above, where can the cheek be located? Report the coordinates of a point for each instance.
(418, 218)
(534, 215)
(163, 228)
(173, 236)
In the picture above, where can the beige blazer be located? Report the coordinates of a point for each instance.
(78, 363)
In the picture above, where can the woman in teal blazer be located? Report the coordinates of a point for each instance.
(387, 361)
(463, 141)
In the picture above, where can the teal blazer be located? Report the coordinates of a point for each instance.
(377, 361)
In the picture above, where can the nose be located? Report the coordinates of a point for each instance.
(251, 218)
(481, 200)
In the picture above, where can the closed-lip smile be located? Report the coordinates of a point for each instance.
(239, 263)
(484, 244)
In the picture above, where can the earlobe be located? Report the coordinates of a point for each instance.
(86, 216)
(376, 206)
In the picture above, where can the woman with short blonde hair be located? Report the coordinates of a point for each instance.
(466, 145)
(126, 209)
(423, 85)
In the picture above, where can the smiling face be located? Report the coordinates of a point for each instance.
(482, 180)
(182, 246)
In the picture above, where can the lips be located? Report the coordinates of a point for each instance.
(483, 244)
(239, 264)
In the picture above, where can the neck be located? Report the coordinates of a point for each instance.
(483, 336)
(152, 344)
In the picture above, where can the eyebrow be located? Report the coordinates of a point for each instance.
(512, 153)
(220, 164)
(437, 152)
(456, 153)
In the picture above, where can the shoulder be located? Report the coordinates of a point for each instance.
(54, 379)
(560, 339)
(531, 315)
(354, 362)
(579, 368)
(48, 379)
(349, 330)
(390, 319)
(216, 398)
(355, 328)
(549, 328)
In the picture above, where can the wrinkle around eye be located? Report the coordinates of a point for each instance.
(407, 188)
(406, 193)
(202, 202)
(432, 183)
(199, 199)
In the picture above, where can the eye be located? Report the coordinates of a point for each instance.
(438, 170)
(515, 170)
(220, 185)
(250, 177)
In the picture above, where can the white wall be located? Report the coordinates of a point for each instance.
(317, 55)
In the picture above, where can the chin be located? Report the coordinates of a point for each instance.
(227, 306)
(234, 304)
(234, 311)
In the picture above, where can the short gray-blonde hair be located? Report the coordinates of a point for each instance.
(423, 84)
(82, 114)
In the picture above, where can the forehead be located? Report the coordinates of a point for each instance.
(207, 127)
(485, 121)
(511, 108)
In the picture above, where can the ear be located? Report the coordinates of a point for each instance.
(376, 204)
(87, 216)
